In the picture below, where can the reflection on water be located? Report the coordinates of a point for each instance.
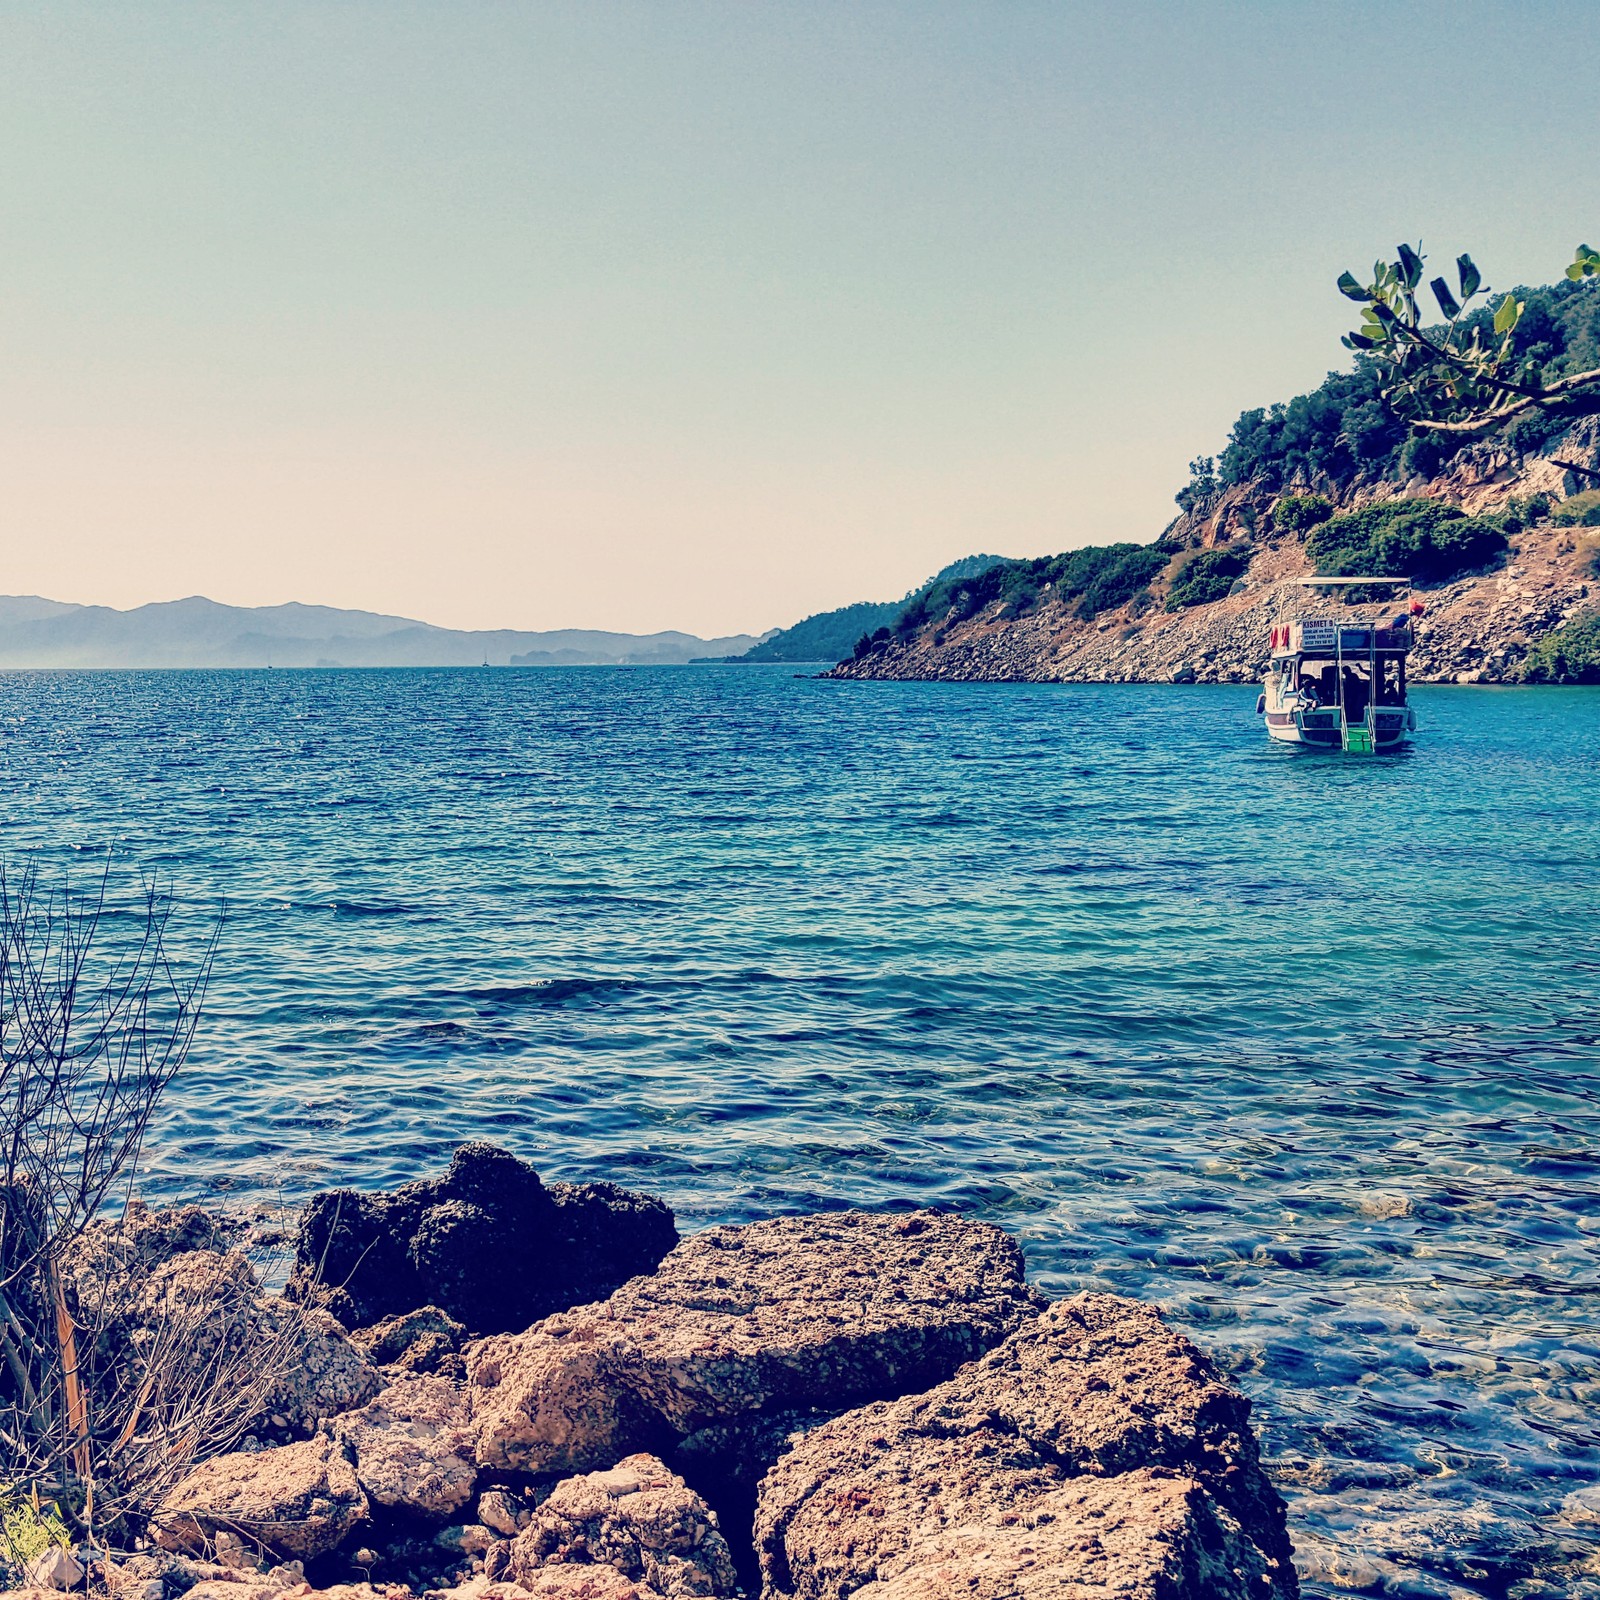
(1302, 1047)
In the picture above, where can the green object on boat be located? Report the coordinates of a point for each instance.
(1359, 740)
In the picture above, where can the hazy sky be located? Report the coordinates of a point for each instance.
(705, 315)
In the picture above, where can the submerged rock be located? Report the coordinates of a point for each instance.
(1095, 1447)
(296, 1500)
(488, 1243)
(637, 1518)
(795, 1313)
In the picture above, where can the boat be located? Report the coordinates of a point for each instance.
(1337, 680)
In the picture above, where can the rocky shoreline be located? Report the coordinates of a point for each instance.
(1477, 629)
(804, 1408)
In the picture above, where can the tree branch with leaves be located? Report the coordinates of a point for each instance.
(1464, 377)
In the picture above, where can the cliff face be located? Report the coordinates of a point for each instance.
(1477, 629)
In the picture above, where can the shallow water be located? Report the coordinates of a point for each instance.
(1301, 1046)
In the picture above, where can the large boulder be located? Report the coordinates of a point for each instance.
(296, 1501)
(412, 1447)
(1096, 1447)
(487, 1243)
(638, 1519)
(1138, 1537)
(797, 1313)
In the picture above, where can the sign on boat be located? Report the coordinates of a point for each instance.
(1337, 680)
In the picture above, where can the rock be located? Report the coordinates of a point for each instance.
(488, 1243)
(502, 1511)
(139, 1577)
(637, 1518)
(295, 1499)
(325, 1374)
(425, 1340)
(1095, 1423)
(467, 1539)
(1138, 1537)
(412, 1447)
(570, 1582)
(794, 1313)
(239, 1586)
(725, 1464)
(167, 1277)
(55, 1569)
(231, 1551)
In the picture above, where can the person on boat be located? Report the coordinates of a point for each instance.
(1309, 694)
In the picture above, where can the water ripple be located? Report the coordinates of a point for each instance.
(1302, 1048)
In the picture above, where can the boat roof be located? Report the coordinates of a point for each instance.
(1334, 583)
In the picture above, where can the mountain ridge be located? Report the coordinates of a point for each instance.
(194, 631)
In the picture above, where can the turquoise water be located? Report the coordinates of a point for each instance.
(1301, 1046)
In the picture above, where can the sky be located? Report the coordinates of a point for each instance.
(705, 315)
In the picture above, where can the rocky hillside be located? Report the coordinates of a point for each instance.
(1479, 627)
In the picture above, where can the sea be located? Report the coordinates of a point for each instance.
(1300, 1046)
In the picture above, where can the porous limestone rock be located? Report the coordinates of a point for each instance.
(639, 1519)
(569, 1582)
(504, 1512)
(794, 1313)
(425, 1340)
(412, 1447)
(1103, 1435)
(488, 1243)
(170, 1277)
(297, 1499)
(1138, 1537)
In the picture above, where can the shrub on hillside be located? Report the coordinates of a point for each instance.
(1569, 655)
(1579, 510)
(1296, 513)
(1210, 575)
(1424, 540)
(1097, 577)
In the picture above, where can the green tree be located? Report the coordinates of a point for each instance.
(1468, 375)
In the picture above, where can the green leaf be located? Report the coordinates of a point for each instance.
(1381, 312)
(1506, 314)
(1410, 266)
(1448, 303)
(1352, 290)
(1468, 274)
(1356, 341)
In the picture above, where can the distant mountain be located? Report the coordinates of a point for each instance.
(832, 635)
(201, 633)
